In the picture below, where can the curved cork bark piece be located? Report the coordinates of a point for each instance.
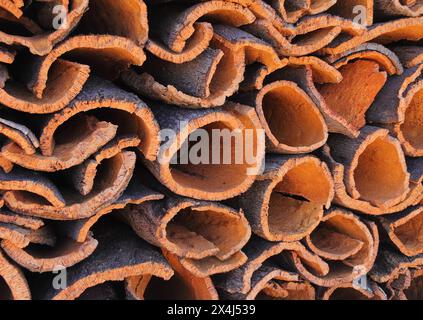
(109, 55)
(343, 198)
(209, 178)
(42, 44)
(134, 194)
(65, 81)
(285, 203)
(383, 33)
(404, 230)
(11, 7)
(410, 56)
(353, 267)
(7, 55)
(322, 72)
(375, 168)
(30, 182)
(402, 115)
(385, 9)
(175, 26)
(390, 263)
(17, 219)
(132, 115)
(291, 120)
(386, 58)
(111, 184)
(192, 230)
(349, 291)
(19, 134)
(198, 42)
(83, 176)
(120, 254)
(14, 285)
(203, 82)
(65, 253)
(260, 253)
(271, 283)
(346, 9)
(126, 19)
(353, 96)
(182, 286)
(414, 291)
(67, 153)
(304, 44)
(395, 287)
(292, 10)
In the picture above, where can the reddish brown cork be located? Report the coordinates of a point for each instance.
(7, 55)
(415, 289)
(398, 8)
(284, 204)
(206, 235)
(19, 134)
(208, 180)
(13, 283)
(349, 291)
(346, 10)
(292, 10)
(410, 56)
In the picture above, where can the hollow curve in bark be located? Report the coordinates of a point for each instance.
(397, 8)
(283, 205)
(108, 189)
(347, 291)
(14, 281)
(365, 176)
(42, 44)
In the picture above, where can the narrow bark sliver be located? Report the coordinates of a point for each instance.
(403, 114)
(13, 284)
(292, 121)
(375, 168)
(284, 204)
(206, 178)
(353, 96)
(182, 286)
(207, 237)
(119, 255)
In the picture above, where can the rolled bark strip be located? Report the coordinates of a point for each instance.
(375, 168)
(71, 152)
(192, 230)
(386, 58)
(396, 8)
(383, 33)
(175, 26)
(292, 10)
(209, 178)
(19, 134)
(216, 73)
(271, 283)
(343, 198)
(119, 255)
(347, 270)
(285, 204)
(84, 175)
(402, 231)
(410, 56)
(350, 9)
(107, 48)
(260, 252)
(13, 282)
(25, 181)
(117, 174)
(64, 253)
(304, 44)
(43, 43)
(64, 82)
(134, 194)
(390, 263)
(10, 217)
(132, 115)
(196, 45)
(291, 120)
(182, 286)
(120, 18)
(353, 96)
(402, 116)
(349, 291)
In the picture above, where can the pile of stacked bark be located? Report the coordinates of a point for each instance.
(93, 205)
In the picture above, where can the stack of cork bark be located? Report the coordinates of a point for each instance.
(102, 103)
